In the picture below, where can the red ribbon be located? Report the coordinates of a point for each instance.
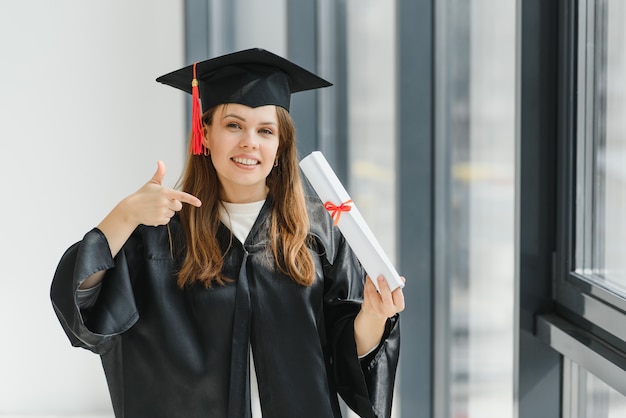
(335, 211)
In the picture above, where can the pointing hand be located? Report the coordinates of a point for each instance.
(154, 204)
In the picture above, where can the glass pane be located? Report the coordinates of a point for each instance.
(371, 99)
(610, 174)
(371, 112)
(476, 141)
(602, 183)
(589, 397)
(602, 401)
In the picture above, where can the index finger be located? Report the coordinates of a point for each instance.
(185, 198)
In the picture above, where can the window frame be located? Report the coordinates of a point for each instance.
(579, 296)
(585, 325)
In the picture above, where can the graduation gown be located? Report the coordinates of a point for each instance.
(172, 352)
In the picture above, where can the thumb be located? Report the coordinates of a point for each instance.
(160, 173)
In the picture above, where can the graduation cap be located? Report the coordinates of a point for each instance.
(253, 77)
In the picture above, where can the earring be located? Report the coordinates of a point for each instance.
(276, 162)
(206, 151)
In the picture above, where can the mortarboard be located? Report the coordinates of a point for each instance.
(253, 77)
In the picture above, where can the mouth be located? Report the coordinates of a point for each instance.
(249, 162)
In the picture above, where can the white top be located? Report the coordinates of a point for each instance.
(240, 217)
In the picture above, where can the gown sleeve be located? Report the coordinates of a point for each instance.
(366, 384)
(95, 328)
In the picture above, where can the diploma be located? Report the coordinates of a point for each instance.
(349, 220)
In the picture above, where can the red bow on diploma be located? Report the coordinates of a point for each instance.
(335, 211)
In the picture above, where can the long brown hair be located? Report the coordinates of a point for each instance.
(289, 221)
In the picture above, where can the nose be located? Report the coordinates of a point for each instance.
(248, 140)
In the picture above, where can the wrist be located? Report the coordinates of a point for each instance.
(370, 321)
(125, 213)
(371, 317)
(368, 331)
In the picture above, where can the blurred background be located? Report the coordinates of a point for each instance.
(422, 126)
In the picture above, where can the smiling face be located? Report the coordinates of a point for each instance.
(243, 142)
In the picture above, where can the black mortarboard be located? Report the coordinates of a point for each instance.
(253, 77)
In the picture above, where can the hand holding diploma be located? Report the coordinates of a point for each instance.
(378, 305)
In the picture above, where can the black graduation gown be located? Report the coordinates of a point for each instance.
(171, 352)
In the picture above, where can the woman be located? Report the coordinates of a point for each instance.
(178, 289)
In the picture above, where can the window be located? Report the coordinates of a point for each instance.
(590, 397)
(600, 224)
(474, 208)
(590, 276)
(592, 282)
(370, 119)
(371, 110)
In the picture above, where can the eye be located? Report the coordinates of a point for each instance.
(233, 125)
(266, 131)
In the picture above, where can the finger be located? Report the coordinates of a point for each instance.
(184, 198)
(163, 221)
(167, 217)
(398, 296)
(398, 299)
(157, 178)
(175, 205)
(370, 289)
(368, 282)
(385, 292)
(383, 286)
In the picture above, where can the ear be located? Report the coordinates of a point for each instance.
(205, 138)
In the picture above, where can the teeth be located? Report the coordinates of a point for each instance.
(245, 161)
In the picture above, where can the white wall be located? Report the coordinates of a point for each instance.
(82, 123)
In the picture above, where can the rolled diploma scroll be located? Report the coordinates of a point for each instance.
(350, 222)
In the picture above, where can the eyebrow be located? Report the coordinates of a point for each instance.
(233, 115)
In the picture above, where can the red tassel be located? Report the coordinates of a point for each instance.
(196, 117)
